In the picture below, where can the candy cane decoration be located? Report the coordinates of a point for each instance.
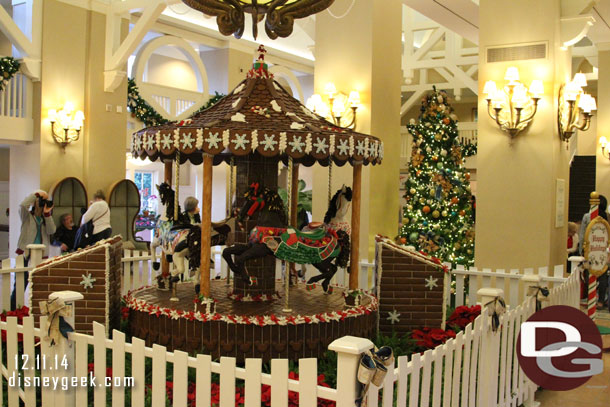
(592, 291)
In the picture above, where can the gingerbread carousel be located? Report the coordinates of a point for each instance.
(255, 129)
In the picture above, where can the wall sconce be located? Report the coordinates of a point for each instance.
(514, 106)
(66, 124)
(338, 107)
(603, 143)
(575, 108)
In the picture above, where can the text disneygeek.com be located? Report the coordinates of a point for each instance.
(64, 383)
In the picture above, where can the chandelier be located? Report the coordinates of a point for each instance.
(280, 14)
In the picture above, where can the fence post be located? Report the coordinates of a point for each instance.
(348, 349)
(489, 355)
(530, 280)
(36, 251)
(64, 350)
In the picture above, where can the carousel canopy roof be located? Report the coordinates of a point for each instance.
(257, 116)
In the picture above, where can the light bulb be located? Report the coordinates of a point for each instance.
(330, 89)
(536, 88)
(52, 115)
(489, 89)
(512, 74)
(354, 99)
(69, 107)
(580, 79)
(603, 142)
(338, 108)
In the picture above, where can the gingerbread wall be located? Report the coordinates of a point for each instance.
(102, 302)
(403, 290)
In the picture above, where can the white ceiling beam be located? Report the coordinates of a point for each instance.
(14, 33)
(30, 50)
(436, 63)
(465, 79)
(460, 16)
(118, 52)
(436, 36)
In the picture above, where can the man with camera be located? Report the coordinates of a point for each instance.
(37, 227)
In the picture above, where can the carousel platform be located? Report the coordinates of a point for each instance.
(245, 329)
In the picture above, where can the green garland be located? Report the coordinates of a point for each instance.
(9, 66)
(144, 112)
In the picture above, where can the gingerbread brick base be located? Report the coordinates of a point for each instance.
(411, 284)
(102, 301)
(249, 329)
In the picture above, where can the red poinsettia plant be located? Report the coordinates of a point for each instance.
(462, 316)
(20, 313)
(430, 338)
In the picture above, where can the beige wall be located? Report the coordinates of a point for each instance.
(4, 164)
(163, 70)
(72, 70)
(602, 118)
(516, 182)
(362, 52)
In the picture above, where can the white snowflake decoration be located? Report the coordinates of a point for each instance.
(188, 140)
(88, 281)
(238, 117)
(297, 144)
(343, 147)
(138, 143)
(393, 317)
(275, 106)
(199, 143)
(373, 148)
(269, 142)
(254, 138)
(431, 282)
(150, 141)
(320, 145)
(360, 147)
(240, 141)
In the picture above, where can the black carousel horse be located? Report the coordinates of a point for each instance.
(322, 246)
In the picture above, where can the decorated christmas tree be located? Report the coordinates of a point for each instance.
(438, 217)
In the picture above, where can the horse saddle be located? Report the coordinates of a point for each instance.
(311, 226)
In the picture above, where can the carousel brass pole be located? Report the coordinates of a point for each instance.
(355, 238)
(330, 180)
(287, 270)
(206, 224)
(177, 189)
(167, 177)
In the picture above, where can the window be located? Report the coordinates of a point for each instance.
(144, 180)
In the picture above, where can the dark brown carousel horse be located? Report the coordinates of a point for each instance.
(323, 247)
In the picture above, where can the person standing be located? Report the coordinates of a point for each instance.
(65, 234)
(99, 214)
(37, 227)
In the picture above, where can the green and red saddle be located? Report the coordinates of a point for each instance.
(294, 246)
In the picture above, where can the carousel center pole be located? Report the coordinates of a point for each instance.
(355, 238)
(206, 224)
(174, 296)
(289, 190)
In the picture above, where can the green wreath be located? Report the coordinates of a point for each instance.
(143, 111)
(9, 66)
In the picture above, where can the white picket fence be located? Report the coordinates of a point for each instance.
(468, 281)
(477, 368)
(12, 270)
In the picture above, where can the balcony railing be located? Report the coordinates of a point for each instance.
(16, 110)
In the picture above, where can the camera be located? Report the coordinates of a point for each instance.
(44, 202)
